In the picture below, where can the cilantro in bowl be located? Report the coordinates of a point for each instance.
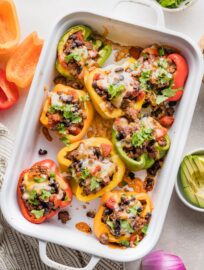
(170, 3)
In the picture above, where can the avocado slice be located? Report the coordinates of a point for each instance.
(192, 179)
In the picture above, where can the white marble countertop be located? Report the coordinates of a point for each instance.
(183, 230)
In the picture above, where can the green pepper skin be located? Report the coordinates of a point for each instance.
(144, 161)
(104, 53)
(103, 50)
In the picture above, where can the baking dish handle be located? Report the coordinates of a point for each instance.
(46, 260)
(147, 3)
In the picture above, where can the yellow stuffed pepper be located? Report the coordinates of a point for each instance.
(93, 167)
(123, 218)
(114, 90)
(68, 112)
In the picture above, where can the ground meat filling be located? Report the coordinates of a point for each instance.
(92, 167)
(117, 87)
(66, 114)
(123, 219)
(78, 53)
(39, 185)
(138, 138)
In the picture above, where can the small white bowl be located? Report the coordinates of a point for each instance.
(179, 188)
(184, 5)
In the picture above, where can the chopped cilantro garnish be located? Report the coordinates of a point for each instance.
(38, 213)
(61, 128)
(124, 243)
(115, 90)
(94, 184)
(74, 56)
(65, 140)
(85, 173)
(161, 51)
(140, 136)
(52, 174)
(144, 78)
(84, 98)
(110, 224)
(67, 198)
(45, 195)
(39, 179)
(32, 197)
(144, 229)
(125, 225)
(133, 210)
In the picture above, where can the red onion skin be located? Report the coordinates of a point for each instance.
(160, 260)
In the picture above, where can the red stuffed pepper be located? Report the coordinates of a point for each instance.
(180, 75)
(42, 191)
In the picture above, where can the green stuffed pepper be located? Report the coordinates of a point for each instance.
(77, 49)
(140, 143)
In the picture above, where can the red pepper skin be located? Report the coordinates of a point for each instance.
(8, 92)
(57, 203)
(180, 75)
(166, 121)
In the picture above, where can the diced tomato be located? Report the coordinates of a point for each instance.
(141, 95)
(106, 149)
(166, 121)
(160, 133)
(96, 76)
(110, 203)
(74, 130)
(96, 169)
(8, 92)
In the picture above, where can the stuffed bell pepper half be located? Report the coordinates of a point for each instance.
(42, 191)
(162, 74)
(140, 143)
(92, 166)
(79, 48)
(68, 112)
(115, 91)
(123, 218)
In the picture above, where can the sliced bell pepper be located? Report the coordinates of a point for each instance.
(74, 96)
(8, 92)
(82, 38)
(112, 200)
(21, 66)
(28, 194)
(9, 25)
(100, 104)
(102, 143)
(179, 76)
(144, 161)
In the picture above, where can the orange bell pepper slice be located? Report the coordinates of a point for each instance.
(21, 66)
(9, 25)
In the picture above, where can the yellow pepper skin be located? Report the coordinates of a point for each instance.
(88, 108)
(98, 102)
(102, 228)
(64, 163)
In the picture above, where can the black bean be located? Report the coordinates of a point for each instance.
(131, 175)
(74, 36)
(108, 211)
(172, 103)
(119, 69)
(42, 152)
(94, 84)
(91, 214)
(119, 136)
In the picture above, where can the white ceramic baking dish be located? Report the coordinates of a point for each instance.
(30, 138)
